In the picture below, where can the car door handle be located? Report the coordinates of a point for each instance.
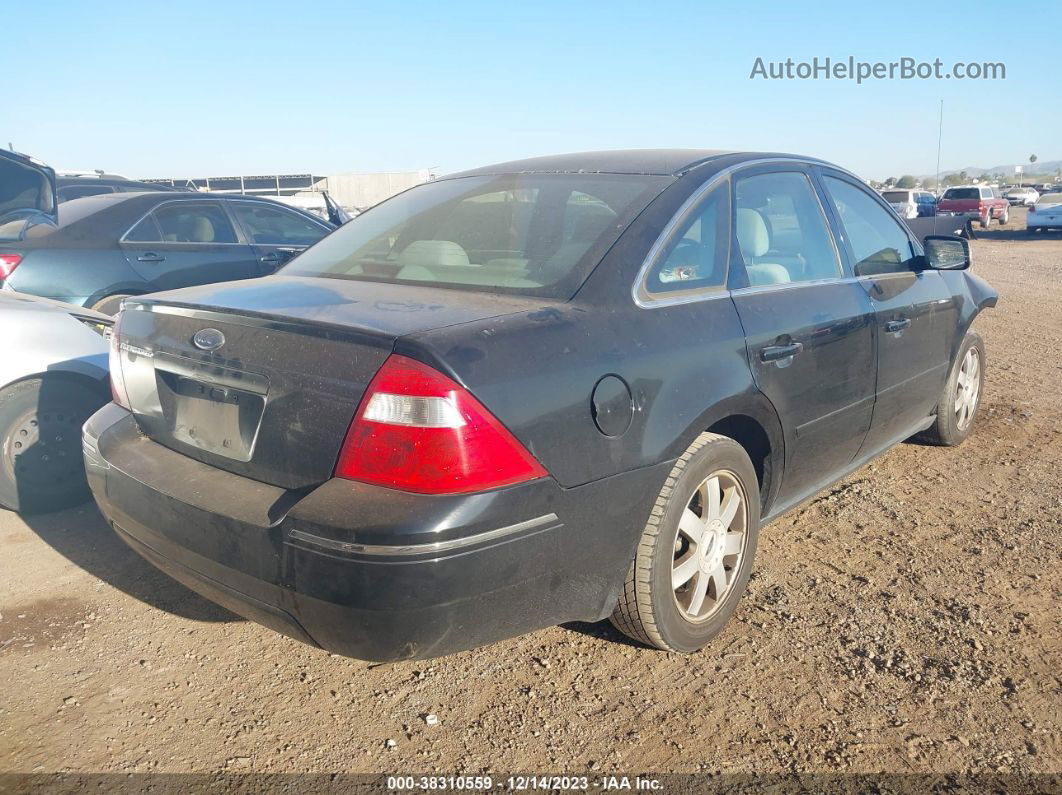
(772, 353)
(269, 259)
(150, 257)
(894, 326)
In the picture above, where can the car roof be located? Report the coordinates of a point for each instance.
(662, 162)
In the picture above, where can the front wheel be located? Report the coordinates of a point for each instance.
(696, 553)
(961, 397)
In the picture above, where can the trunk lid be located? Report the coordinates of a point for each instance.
(262, 377)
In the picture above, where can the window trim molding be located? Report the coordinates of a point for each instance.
(708, 294)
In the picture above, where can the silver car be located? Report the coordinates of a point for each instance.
(53, 372)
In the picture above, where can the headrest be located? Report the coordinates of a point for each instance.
(433, 254)
(202, 230)
(752, 233)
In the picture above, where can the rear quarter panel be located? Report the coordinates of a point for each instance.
(48, 341)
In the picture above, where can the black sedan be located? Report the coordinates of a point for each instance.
(557, 389)
(107, 247)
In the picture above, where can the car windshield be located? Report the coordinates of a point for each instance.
(530, 234)
(962, 193)
(896, 196)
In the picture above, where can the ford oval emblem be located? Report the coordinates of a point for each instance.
(208, 339)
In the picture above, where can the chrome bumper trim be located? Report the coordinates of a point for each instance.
(549, 519)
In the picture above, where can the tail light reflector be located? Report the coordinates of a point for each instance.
(118, 390)
(417, 430)
(8, 263)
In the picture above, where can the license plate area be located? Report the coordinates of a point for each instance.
(217, 418)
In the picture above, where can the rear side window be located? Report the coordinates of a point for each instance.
(81, 191)
(275, 226)
(185, 222)
(535, 234)
(879, 244)
(781, 230)
(695, 258)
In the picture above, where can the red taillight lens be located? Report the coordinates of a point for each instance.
(8, 263)
(118, 390)
(1032, 208)
(417, 430)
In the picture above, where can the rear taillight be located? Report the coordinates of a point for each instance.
(8, 263)
(417, 430)
(1032, 208)
(118, 390)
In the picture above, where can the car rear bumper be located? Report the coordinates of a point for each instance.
(365, 571)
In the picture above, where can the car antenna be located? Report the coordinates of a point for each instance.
(940, 135)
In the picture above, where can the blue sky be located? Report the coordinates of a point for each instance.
(214, 88)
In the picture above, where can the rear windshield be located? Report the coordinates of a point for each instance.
(530, 234)
(896, 196)
(962, 193)
(1050, 198)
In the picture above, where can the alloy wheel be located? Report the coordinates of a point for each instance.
(967, 389)
(710, 541)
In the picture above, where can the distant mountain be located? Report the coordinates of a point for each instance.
(1039, 167)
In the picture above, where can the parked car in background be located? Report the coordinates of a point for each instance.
(556, 389)
(53, 376)
(78, 186)
(911, 203)
(105, 248)
(975, 203)
(1046, 214)
(1021, 196)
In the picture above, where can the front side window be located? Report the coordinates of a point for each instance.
(185, 222)
(273, 226)
(535, 234)
(781, 230)
(879, 244)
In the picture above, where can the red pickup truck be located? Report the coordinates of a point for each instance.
(975, 202)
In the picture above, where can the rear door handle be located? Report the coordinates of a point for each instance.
(270, 259)
(894, 326)
(772, 353)
(150, 257)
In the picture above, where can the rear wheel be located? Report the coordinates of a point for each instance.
(696, 552)
(111, 304)
(1005, 217)
(961, 397)
(986, 220)
(41, 468)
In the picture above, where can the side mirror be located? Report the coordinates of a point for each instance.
(947, 252)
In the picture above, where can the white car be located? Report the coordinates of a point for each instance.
(53, 371)
(911, 203)
(1045, 214)
(1021, 196)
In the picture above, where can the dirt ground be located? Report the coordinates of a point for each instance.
(905, 621)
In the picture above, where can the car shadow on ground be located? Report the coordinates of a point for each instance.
(82, 536)
(602, 630)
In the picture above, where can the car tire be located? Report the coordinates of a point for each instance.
(41, 467)
(111, 304)
(1005, 217)
(986, 222)
(961, 398)
(694, 503)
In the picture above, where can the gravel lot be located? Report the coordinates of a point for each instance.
(905, 621)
